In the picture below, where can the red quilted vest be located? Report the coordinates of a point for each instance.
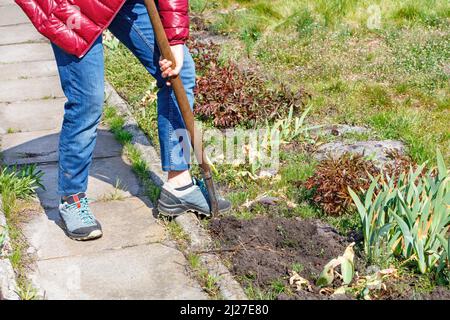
(74, 25)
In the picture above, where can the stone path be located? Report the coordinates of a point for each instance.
(134, 259)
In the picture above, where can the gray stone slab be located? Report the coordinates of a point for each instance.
(125, 223)
(7, 3)
(30, 89)
(26, 52)
(12, 14)
(42, 146)
(21, 116)
(375, 150)
(27, 70)
(105, 175)
(151, 271)
(22, 33)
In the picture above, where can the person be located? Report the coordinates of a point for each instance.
(75, 31)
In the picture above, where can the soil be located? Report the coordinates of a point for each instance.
(265, 249)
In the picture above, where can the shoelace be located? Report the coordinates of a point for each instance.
(201, 184)
(84, 211)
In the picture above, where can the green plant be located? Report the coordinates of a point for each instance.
(229, 96)
(408, 216)
(444, 263)
(27, 292)
(21, 182)
(329, 184)
(424, 216)
(347, 265)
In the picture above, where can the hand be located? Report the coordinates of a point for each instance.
(167, 71)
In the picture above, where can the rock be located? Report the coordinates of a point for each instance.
(374, 150)
(338, 130)
(8, 285)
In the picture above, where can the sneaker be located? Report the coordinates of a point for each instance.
(191, 198)
(79, 222)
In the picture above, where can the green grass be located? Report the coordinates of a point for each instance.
(17, 187)
(133, 82)
(18, 183)
(115, 122)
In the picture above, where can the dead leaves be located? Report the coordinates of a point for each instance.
(300, 283)
(327, 276)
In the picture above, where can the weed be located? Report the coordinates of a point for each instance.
(116, 194)
(297, 267)
(27, 292)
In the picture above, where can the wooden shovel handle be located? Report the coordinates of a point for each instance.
(183, 102)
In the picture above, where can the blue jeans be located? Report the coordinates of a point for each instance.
(82, 81)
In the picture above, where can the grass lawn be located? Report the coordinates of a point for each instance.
(379, 63)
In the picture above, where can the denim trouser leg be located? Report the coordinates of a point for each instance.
(82, 81)
(133, 28)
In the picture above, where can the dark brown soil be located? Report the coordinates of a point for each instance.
(265, 249)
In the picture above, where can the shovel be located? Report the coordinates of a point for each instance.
(183, 103)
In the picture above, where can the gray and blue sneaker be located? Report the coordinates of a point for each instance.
(79, 222)
(191, 198)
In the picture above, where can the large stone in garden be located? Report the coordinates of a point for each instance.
(125, 223)
(42, 146)
(29, 89)
(21, 116)
(375, 150)
(109, 178)
(152, 271)
(338, 130)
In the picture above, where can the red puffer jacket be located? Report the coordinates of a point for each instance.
(74, 25)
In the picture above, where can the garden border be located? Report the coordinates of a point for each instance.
(200, 241)
(8, 284)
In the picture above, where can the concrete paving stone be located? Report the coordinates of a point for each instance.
(21, 33)
(30, 89)
(12, 14)
(105, 175)
(21, 116)
(42, 146)
(125, 223)
(7, 3)
(27, 70)
(26, 52)
(152, 271)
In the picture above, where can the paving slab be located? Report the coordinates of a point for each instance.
(42, 146)
(21, 116)
(7, 3)
(21, 33)
(105, 175)
(12, 14)
(125, 223)
(152, 271)
(30, 89)
(26, 52)
(26, 70)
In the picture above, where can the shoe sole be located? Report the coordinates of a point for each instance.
(175, 211)
(95, 234)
